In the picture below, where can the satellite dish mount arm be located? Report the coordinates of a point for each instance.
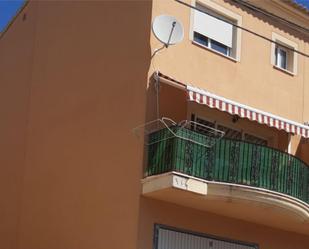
(170, 36)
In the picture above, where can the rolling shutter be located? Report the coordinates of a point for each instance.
(170, 239)
(213, 28)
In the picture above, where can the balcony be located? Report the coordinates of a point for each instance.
(235, 178)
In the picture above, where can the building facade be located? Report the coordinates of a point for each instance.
(87, 159)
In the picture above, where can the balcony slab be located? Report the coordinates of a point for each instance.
(247, 203)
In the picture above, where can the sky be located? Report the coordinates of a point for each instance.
(303, 2)
(9, 8)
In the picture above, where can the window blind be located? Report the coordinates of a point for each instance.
(213, 28)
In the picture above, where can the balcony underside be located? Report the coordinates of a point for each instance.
(247, 203)
(237, 201)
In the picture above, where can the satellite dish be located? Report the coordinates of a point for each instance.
(167, 29)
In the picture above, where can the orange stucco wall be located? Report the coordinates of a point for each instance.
(253, 80)
(17, 51)
(303, 151)
(74, 82)
(158, 212)
(73, 86)
(173, 103)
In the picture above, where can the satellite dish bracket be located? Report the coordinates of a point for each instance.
(171, 33)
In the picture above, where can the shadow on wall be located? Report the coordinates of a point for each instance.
(270, 21)
(87, 74)
(303, 150)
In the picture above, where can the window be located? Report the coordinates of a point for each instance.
(205, 122)
(200, 39)
(212, 44)
(221, 48)
(282, 55)
(255, 140)
(215, 34)
(228, 132)
(232, 133)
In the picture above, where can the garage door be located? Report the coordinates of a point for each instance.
(169, 238)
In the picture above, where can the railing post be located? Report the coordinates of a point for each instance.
(255, 171)
(234, 161)
(274, 170)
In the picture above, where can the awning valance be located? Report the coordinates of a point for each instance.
(204, 97)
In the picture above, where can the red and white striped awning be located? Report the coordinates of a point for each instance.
(204, 97)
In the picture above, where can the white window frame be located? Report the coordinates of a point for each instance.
(209, 44)
(291, 57)
(235, 52)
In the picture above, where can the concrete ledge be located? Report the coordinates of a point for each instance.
(238, 201)
(170, 180)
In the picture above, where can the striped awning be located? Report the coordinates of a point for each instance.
(204, 97)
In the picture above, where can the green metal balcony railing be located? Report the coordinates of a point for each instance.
(231, 161)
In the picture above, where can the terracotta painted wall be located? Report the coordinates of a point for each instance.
(71, 145)
(16, 58)
(71, 166)
(306, 83)
(173, 103)
(303, 151)
(252, 81)
(152, 211)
